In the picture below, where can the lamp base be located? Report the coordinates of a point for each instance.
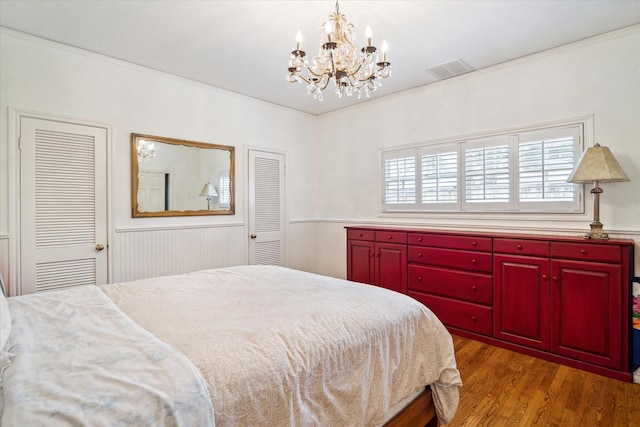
(596, 233)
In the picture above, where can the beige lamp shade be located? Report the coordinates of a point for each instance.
(598, 164)
(209, 190)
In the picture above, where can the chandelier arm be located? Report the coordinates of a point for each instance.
(326, 83)
(313, 73)
(314, 81)
(306, 80)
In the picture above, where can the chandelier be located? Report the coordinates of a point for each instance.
(145, 150)
(339, 61)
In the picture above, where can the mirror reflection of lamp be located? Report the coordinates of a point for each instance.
(209, 191)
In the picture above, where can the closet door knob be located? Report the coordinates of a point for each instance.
(99, 247)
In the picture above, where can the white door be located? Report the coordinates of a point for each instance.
(63, 205)
(266, 208)
(152, 191)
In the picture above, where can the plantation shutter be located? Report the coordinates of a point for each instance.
(224, 193)
(486, 169)
(400, 178)
(440, 181)
(545, 161)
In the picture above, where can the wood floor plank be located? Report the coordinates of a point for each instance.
(504, 388)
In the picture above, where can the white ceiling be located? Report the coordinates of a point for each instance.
(243, 46)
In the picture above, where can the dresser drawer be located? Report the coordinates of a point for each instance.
(466, 260)
(463, 315)
(472, 287)
(391, 236)
(521, 247)
(361, 235)
(586, 251)
(452, 242)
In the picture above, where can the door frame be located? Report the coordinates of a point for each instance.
(285, 213)
(14, 184)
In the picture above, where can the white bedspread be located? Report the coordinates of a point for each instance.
(280, 347)
(78, 360)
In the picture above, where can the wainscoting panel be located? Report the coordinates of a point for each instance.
(142, 253)
(4, 262)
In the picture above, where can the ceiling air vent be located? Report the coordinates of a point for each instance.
(449, 69)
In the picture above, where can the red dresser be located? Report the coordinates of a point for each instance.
(563, 299)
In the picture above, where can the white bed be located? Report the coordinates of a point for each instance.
(238, 346)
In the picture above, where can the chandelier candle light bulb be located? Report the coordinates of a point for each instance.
(298, 40)
(328, 28)
(338, 61)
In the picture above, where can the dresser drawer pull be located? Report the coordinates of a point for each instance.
(520, 247)
(361, 234)
(389, 237)
(419, 254)
(474, 288)
(583, 251)
(473, 261)
(419, 239)
(554, 278)
(474, 318)
(474, 243)
(419, 278)
(544, 277)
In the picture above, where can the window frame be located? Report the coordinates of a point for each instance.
(580, 130)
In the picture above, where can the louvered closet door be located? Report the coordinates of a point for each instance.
(266, 208)
(63, 205)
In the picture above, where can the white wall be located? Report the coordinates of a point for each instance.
(335, 182)
(599, 77)
(40, 76)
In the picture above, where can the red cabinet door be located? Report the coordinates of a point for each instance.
(521, 300)
(361, 261)
(587, 311)
(391, 266)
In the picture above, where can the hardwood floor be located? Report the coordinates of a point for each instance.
(504, 388)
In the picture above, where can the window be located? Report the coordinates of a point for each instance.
(522, 171)
(487, 181)
(224, 184)
(400, 180)
(440, 177)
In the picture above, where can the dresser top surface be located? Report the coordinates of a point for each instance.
(496, 235)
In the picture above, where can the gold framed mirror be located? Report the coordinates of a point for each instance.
(176, 177)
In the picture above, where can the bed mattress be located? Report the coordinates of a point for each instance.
(283, 347)
(238, 346)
